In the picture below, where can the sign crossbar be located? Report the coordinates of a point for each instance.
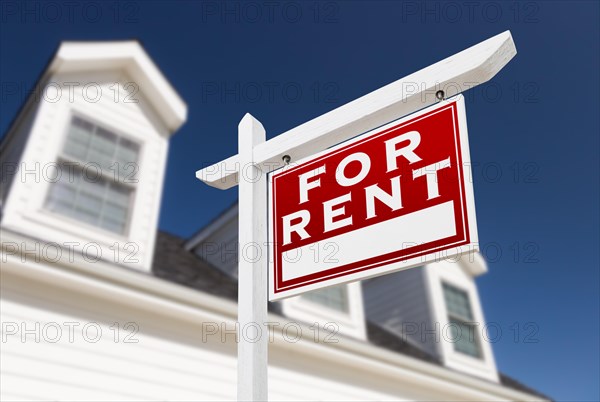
(455, 74)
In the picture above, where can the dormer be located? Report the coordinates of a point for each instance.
(83, 162)
(436, 308)
(464, 344)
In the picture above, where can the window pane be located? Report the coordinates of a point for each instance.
(119, 195)
(459, 314)
(78, 139)
(92, 184)
(102, 148)
(85, 215)
(466, 338)
(457, 302)
(76, 150)
(88, 143)
(113, 226)
(62, 195)
(115, 212)
(93, 200)
(127, 152)
(126, 158)
(89, 202)
(335, 297)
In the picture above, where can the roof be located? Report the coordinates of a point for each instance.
(175, 263)
(127, 55)
(223, 218)
(131, 57)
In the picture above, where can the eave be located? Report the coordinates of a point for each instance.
(130, 57)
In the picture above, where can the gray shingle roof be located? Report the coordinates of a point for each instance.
(174, 263)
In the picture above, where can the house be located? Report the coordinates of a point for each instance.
(97, 304)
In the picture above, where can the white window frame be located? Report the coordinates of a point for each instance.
(345, 309)
(464, 320)
(61, 157)
(310, 312)
(455, 274)
(75, 229)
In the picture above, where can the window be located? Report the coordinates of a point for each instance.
(460, 317)
(98, 175)
(335, 297)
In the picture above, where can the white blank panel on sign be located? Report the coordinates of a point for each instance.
(366, 242)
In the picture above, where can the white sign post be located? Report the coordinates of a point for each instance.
(252, 262)
(257, 157)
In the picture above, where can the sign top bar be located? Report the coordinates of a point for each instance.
(455, 74)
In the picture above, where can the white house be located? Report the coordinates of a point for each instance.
(98, 304)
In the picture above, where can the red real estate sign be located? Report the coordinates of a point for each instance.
(394, 198)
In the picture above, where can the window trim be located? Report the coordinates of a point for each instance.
(463, 320)
(61, 157)
(345, 311)
(351, 323)
(124, 234)
(454, 273)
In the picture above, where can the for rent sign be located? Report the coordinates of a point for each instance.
(390, 199)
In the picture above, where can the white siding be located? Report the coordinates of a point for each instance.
(170, 362)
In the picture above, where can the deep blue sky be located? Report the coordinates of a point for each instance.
(534, 130)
